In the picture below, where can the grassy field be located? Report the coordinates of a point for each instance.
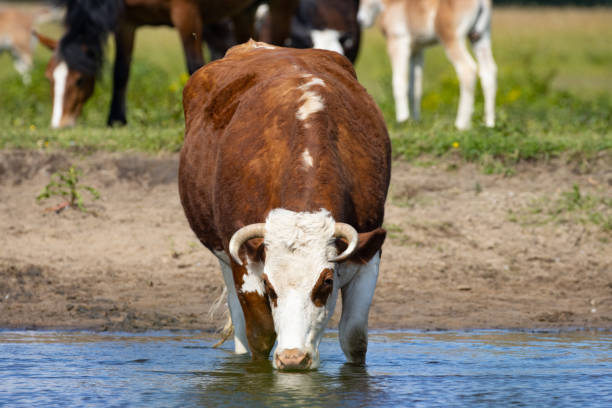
(554, 98)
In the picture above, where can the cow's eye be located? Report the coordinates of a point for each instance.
(270, 290)
(323, 288)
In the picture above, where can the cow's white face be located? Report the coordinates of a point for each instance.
(368, 11)
(300, 282)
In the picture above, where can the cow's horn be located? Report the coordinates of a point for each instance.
(243, 235)
(350, 234)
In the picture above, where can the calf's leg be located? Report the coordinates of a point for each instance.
(465, 66)
(487, 70)
(398, 48)
(415, 89)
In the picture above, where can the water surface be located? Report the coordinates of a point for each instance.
(420, 369)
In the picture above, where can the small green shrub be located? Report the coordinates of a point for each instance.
(66, 184)
(572, 206)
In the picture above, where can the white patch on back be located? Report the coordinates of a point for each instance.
(327, 40)
(311, 101)
(307, 158)
(313, 82)
(60, 73)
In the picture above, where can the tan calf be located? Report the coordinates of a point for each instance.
(16, 35)
(412, 25)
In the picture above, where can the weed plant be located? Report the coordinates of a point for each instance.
(66, 184)
(573, 206)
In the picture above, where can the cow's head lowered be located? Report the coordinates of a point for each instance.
(300, 276)
(70, 87)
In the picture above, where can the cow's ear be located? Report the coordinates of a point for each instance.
(256, 250)
(50, 43)
(369, 244)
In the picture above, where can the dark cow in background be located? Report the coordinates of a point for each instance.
(219, 37)
(78, 59)
(285, 165)
(323, 24)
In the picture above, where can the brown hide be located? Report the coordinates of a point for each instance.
(242, 155)
(190, 18)
(414, 14)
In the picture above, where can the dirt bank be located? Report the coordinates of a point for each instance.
(453, 258)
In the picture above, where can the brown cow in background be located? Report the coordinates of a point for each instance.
(78, 59)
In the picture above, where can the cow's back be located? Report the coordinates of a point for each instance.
(277, 127)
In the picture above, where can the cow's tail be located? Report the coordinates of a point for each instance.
(217, 304)
(226, 332)
(228, 329)
(482, 24)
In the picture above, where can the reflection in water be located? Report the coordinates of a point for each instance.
(481, 368)
(237, 379)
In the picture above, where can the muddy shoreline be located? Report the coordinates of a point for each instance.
(453, 259)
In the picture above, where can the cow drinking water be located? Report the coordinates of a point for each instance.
(283, 176)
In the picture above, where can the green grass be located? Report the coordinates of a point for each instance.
(554, 98)
(573, 206)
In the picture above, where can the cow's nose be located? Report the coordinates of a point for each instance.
(293, 359)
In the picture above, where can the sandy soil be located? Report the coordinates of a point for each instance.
(453, 259)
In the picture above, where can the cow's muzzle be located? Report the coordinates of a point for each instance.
(292, 359)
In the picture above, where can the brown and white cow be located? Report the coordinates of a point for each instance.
(286, 163)
(412, 25)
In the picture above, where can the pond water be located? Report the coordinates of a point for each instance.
(420, 369)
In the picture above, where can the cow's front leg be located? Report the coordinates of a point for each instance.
(356, 300)
(124, 45)
(240, 338)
